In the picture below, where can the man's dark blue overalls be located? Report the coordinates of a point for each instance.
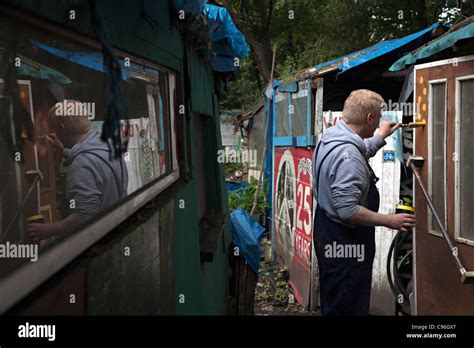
(345, 283)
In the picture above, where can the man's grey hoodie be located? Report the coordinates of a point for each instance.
(344, 178)
(94, 180)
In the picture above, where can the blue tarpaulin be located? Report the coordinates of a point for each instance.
(223, 28)
(246, 235)
(233, 186)
(227, 41)
(352, 60)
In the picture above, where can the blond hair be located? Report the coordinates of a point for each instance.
(75, 123)
(359, 104)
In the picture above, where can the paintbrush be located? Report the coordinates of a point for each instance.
(418, 124)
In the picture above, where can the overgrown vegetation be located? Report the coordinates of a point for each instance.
(231, 168)
(244, 197)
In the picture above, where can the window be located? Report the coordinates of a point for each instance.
(437, 154)
(61, 78)
(294, 106)
(465, 159)
(282, 115)
(299, 101)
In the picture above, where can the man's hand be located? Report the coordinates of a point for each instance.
(401, 222)
(37, 232)
(53, 139)
(387, 128)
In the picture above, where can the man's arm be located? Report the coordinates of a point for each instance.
(84, 192)
(373, 144)
(366, 217)
(36, 232)
(377, 141)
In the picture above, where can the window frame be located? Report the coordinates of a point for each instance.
(430, 153)
(308, 139)
(16, 283)
(457, 148)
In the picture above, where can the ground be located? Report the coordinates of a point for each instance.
(273, 294)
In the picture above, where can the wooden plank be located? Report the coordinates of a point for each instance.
(382, 301)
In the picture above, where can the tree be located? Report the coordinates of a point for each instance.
(253, 19)
(309, 32)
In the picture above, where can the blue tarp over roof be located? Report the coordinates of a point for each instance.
(466, 31)
(355, 59)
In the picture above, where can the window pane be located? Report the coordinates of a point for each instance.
(299, 120)
(282, 120)
(438, 153)
(466, 162)
(62, 89)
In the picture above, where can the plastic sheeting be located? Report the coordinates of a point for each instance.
(227, 41)
(246, 235)
(234, 186)
(223, 28)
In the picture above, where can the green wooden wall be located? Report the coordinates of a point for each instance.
(204, 286)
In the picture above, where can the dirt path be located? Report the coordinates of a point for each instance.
(273, 294)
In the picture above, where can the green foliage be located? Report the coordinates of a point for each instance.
(326, 29)
(230, 168)
(243, 198)
(243, 93)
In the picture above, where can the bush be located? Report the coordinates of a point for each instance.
(243, 198)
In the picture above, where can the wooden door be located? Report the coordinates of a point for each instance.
(443, 98)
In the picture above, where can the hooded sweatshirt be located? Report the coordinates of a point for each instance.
(344, 177)
(94, 180)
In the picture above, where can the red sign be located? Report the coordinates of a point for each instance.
(292, 215)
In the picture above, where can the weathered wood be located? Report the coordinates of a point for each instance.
(211, 228)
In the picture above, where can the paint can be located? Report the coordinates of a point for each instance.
(404, 209)
(35, 219)
(38, 219)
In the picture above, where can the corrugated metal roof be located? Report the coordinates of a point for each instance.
(342, 64)
(463, 30)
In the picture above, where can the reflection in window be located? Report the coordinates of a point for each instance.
(69, 175)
